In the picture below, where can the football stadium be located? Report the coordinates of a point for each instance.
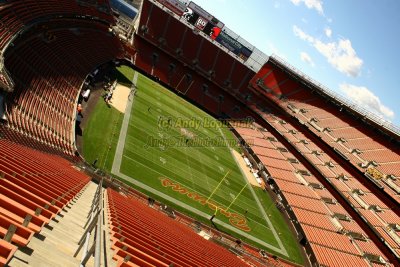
(147, 133)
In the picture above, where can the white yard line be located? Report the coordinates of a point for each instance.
(122, 135)
(189, 167)
(267, 220)
(116, 171)
(200, 213)
(204, 170)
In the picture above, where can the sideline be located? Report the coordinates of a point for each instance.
(200, 213)
(122, 135)
(116, 171)
(260, 207)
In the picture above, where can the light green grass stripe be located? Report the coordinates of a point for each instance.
(200, 213)
(197, 168)
(193, 190)
(261, 209)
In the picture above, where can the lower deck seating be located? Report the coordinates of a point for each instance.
(143, 236)
(34, 188)
(315, 208)
(7, 250)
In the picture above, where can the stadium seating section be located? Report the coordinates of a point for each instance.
(42, 104)
(150, 238)
(326, 224)
(337, 173)
(34, 188)
(16, 15)
(361, 145)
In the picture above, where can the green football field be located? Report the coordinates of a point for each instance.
(180, 155)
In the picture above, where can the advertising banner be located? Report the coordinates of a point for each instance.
(233, 45)
(175, 6)
(202, 20)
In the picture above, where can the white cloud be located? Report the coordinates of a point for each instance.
(311, 4)
(364, 97)
(302, 35)
(306, 58)
(328, 32)
(340, 55)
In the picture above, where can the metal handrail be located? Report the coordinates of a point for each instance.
(95, 217)
(125, 189)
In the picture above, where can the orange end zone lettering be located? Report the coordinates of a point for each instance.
(235, 219)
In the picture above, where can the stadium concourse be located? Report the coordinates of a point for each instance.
(333, 168)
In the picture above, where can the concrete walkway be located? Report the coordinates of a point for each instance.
(56, 244)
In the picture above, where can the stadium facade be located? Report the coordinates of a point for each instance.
(333, 167)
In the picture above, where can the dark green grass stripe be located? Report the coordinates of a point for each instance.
(197, 168)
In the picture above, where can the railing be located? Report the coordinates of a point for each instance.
(350, 104)
(95, 217)
(257, 59)
(227, 241)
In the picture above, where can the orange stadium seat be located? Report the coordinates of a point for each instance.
(35, 184)
(149, 236)
(314, 215)
(335, 171)
(7, 250)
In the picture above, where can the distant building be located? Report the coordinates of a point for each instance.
(124, 8)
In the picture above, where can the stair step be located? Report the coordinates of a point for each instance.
(56, 244)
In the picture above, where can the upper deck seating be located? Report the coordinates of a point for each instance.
(48, 73)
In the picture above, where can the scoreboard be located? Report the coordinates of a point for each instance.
(209, 25)
(203, 20)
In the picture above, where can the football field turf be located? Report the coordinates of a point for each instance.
(182, 156)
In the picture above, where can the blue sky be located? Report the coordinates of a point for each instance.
(350, 46)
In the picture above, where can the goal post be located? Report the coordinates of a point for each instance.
(219, 184)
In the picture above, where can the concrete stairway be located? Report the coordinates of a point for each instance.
(56, 244)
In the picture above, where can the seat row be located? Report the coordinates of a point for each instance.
(42, 104)
(17, 14)
(317, 211)
(327, 121)
(34, 188)
(146, 237)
